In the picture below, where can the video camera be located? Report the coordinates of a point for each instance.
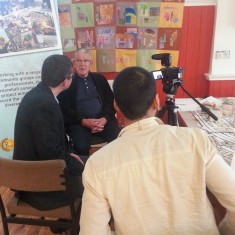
(170, 76)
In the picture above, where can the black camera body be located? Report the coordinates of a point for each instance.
(170, 76)
(172, 73)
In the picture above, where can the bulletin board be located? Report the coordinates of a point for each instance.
(121, 33)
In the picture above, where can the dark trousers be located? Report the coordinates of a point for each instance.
(82, 136)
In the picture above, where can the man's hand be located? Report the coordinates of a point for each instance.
(76, 157)
(96, 125)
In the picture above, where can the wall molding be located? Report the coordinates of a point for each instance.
(200, 2)
(219, 77)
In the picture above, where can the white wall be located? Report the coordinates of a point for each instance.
(223, 50)
(223, 47)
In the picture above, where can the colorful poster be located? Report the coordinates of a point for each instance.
(27, 27)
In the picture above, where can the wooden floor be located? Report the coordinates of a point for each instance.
(15, 229)
(18, 229)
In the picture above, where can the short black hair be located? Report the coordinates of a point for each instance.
(55, 69)
(134, 90)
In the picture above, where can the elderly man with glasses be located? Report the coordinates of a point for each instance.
(87, 105)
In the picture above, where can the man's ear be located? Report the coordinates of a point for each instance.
(156, 103)
(65, 83)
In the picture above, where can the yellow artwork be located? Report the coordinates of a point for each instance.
(171, 15)
(125, 58)
(93, 55)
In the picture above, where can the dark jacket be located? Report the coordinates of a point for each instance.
(39, 133)
(67, 100)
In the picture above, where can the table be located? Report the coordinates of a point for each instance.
(221, 133)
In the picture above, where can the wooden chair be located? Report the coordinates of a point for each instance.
(38, 176)
(96, 143)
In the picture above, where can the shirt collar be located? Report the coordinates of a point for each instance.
(141, 124)
(56, 99)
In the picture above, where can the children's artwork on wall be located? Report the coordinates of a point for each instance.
(105, 37)
(143, 59)
(173, 0)
(85, 37)
(68, 40)
(65, 17)
(125, 58)
(104, 14)
(106, 60)
(126, 13)
(171, 15)
(82, 15)
(147, 38)
(168, 38)
(122, 33)
(148, 14)
(27, 26)
(126, 37)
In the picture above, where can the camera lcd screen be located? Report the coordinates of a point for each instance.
(157, 74)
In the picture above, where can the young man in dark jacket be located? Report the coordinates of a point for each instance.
(39, 130)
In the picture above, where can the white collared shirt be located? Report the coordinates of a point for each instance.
(153, 178)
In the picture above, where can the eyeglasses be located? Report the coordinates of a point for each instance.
(82, 61)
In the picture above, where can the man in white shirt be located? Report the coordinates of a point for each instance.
(152, 179)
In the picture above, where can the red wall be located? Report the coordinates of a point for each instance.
(195, 49)
(222, 88)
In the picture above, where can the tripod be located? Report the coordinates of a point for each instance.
(172, 117)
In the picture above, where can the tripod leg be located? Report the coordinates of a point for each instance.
(173, 118)
(161, 113)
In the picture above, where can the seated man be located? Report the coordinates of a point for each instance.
(39, 131)
(87, 106)
(152, 179)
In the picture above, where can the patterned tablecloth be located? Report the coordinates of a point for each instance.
(221, 133)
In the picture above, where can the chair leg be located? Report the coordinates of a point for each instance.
(3, 214)
(5, 228)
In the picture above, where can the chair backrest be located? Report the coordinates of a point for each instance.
(34, 176)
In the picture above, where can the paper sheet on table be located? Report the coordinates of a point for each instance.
(212, 101)
(187, 104)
